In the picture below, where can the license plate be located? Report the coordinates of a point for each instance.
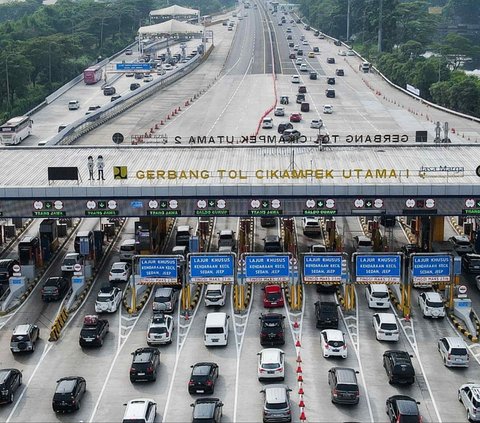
(379, 304)
(270, 372)
(214, 340)
(200, 391)
(389, 334)
(141, 374)
(335, 350)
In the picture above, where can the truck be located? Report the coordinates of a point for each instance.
(92, 75)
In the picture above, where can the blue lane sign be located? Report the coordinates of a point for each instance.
(158, 269)
(322, 268)
(77, 280)
(378, 268)
(431, 268)
(133, 66)
(212, 268)
(267, 268)
(16, 281)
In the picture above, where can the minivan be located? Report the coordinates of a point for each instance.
(377, 295)
(386, 328)
(276, 407)
(453, 351)
(330, 93)
(142, 410)
(70, 260)
(343, 385)
(216, 329)
(183, 235)
(127, 250)
(164, 300)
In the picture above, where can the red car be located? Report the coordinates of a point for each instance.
(272, 296)
(295, 117)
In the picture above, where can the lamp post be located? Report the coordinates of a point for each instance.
(8, 83)
(380, 26)
(348, 20)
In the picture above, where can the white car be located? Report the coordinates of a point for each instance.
(108, 299)
(327, 109)
(386, 328)
(316, 123)
(215, 295)
(279, 111)
(469, 396)
(333, 343)
(295, 79)
(73, 105)
(167, 67)
(295, 47)
(140, 410)
(377, 295)
(148, 78)
(267, 123)
(431, 304)
(342, 53)
(305, 42)
(271, 364)
(299, 61)
(350, 53)
(160, 330)
(303, 67)
(70, 260)
(120, 271)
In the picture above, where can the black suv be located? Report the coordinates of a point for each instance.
(202, 379)
(343, 385)
(330, 59)
(331, 81)
(144, 364)
(340, 72)
(402, 409)
(399, 367)
(54, 289)
(283, 126)
(272, 331)
(6, 269)
(68, 394)
(471, 263)
(10, 380)
(93, 332)
(24, 338)
(207, 410)
(326, 315)
(272, 244)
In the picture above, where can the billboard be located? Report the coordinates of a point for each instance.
(269, 268)
(211, 268)
(322, 268)
(381, 268)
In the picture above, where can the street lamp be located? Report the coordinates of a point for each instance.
(348, 20)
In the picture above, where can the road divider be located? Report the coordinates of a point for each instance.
(58, 325)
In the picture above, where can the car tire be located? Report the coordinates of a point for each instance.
(390, 381)
(11, 398)
(469, 417)
(459, 397)
(33, 348)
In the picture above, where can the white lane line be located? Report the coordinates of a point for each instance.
(44, 354)
(177, 358)
(417, 354)
(239, 350)
(119, 350)
(356, 347)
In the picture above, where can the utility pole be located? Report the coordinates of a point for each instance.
(380, 26)
(348, 20)
(50, 63)
(8, 83)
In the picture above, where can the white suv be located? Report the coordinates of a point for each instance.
(333, 343)
(70, 260)
(270, 364)
(377, 295)
(386, 328)
(120, 271)
(454, 351)
(469, 396)
(215, 295)
(431, 304)
(142, 410)
(160, 330)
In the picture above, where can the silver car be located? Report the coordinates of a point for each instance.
(469, 396)
(165, 300)
(276, 407)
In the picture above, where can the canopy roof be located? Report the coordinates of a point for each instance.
(174, 11)
(171, 27)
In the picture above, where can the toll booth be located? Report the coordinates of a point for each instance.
(48, 237)
(84, 244)
(150, 233)
(29, 250)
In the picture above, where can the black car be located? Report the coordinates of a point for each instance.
(300, 98)
(202, 379)
(115, 97)
(283, 126)
(471, 263)
(272, 244)
(272, 329)
(139, 75)
(10, 380)
(399, 367)
(313, 75)
(93, 332)
(326, 315)
(207, 410)
(267, 222)
(330, 93)
(68, 394)
(337, 42)
(340, 72)
(109, 90)
(54, 288)
(403, 409)
(144, 364)
(331, 81)
(330, 59)
(134, 86)
(6, 269)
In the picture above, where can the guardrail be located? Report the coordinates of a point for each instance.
(85, 124)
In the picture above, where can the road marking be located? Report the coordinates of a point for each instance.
(47, 348)
(417, 354)
(356, 348)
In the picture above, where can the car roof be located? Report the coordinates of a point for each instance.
(363, 238)
(66, 384)
(72, 254)
(272, 316)
(334, 334)
(136, 408)
(345, 374)
(273, 288)
(21, 329)
(432, 296)
(226, 231)
(128, 242)
(107, 290)
(214, 286)
(455, 341)
(4, 373)
(406, 405)
(182, 228)
(276, 393)
(379, 287)
(163, 290)
(271, 355)
(386, 317)
(272, 238)
(119, 264)
(461, 238)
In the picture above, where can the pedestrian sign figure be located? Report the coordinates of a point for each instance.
(100, 166)
(90, 166)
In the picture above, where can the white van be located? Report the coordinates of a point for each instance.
(216, 329)
(127, 250)
(377, 295)
(215, 295)
(70, 260)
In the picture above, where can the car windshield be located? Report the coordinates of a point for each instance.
(162, 299)
(201, 371)
(159, 329)
(463, 242)
(380, 294)
(270, 366)
(19, 338)
(435, 304)
(273, 296)
(388, 326)
(347, 387)
(69, 261)
(336, 344)
(203, 410)
(271, 324)
(365, 243)
(277, 405)
(104, 299)
(214, 330)
(459, 351)
(118, 270)
(215, 293)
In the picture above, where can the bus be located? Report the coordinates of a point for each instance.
(16, 130)
(93, 74)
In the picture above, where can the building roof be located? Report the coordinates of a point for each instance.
(174, 10)
(170, 27)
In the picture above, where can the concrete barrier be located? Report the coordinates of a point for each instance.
(58, 325)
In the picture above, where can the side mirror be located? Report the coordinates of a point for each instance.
(289, 390)
(262, 391)
(357, 372)
(192, 405)
(418, 402)
(228, 317)
(125, 403)
(411, 356)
